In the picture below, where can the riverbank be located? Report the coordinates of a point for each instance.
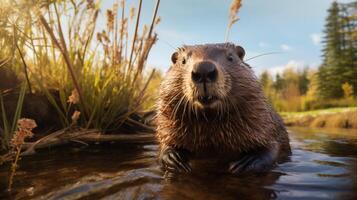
(326, 118)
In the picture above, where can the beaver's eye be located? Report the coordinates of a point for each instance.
(184, 61)
(230, 58)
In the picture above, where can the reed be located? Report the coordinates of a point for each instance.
(233, 16)
(57, 46)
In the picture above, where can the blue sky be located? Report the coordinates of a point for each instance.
(293, 27)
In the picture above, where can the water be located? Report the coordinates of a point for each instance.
(323, 165)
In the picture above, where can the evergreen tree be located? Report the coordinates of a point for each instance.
(265, 79)
(279, 83)
(349, 48)
(304, 81)
(329, 72)
(339, 52)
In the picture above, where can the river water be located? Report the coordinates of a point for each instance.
(323, 165)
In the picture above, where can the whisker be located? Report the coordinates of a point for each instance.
(170, 101)
(178, 105)
(184, 109)
(167, 43)
(263, 54)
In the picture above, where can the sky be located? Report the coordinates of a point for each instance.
(292, 27)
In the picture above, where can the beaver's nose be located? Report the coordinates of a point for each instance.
(204, 72)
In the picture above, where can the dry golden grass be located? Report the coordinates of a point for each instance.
(342, 119)
(233, 16)
(57, 46)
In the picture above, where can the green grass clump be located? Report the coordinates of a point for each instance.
(56, 46)
(10, 125)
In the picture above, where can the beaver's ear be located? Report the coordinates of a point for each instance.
(240, 51)
(174, 57)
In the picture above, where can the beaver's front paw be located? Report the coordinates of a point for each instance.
(252, 163)
(174, 160)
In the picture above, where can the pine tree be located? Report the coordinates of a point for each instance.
(265, 79)
(266, 82)
(329, 72)
(340, 50)
(304, 81)
(279, 83)
(349, 48)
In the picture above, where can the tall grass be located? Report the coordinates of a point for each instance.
(58, 47)
(10, 125)
(233, 16)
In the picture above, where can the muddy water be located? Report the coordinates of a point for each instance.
(323, 165)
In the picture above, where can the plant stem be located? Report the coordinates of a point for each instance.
(25, 67)
(64, 52)
(135, 35)
(149, 42)
(13, 168)
(122, 32)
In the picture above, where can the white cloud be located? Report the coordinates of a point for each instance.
(292, 64)
(286, 47)
(316, 38)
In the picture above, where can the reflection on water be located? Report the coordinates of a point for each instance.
(323, 165)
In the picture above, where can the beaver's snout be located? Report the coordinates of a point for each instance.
(207, 100)
(204, 72)
(204, 75)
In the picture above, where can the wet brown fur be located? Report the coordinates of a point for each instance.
(243, 121)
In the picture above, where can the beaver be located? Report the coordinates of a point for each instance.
(211, 104)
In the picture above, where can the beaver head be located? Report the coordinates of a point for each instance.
(210, 98)
(208, 72)
(208, 77)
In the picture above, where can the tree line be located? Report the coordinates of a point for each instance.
(334, 83)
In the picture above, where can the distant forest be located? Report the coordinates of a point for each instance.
(334, 83)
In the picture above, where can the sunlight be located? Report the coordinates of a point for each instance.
(178, 99)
